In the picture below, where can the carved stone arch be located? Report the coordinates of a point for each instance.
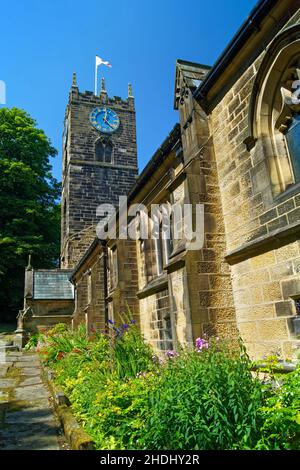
(282, 40)
(104, 150)
(267, 109)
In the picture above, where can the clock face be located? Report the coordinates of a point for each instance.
(105, 120)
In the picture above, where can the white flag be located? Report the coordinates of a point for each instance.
(100, 61)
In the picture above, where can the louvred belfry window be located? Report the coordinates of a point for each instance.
(103, 151)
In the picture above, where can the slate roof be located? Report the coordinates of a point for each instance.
(52, 284)
(193, 75)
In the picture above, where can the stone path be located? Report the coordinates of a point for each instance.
(27, 419)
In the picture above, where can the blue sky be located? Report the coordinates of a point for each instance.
(43, 42)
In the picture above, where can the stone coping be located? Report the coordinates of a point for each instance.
(273, 240)
(158, 284)
(77, 438)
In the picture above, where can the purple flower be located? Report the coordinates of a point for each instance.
(154, 358)
(171, 354)
(111, 322)
(201, 344)
(124, 326)
(132, 321)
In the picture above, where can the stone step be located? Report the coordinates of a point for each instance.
(7, 348)
(6, 342)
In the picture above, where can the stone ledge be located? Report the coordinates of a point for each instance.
(265, 243)
(156, 285)
(280, 368)
(75, 435)
(176, 259)
(118, 166)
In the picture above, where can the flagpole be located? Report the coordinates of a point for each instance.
(96, 70)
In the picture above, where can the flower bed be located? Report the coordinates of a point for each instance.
(127, 397)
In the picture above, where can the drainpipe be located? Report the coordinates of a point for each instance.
(105, 266)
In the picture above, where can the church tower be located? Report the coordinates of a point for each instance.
(99, 163)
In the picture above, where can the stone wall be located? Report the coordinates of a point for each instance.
(245, 278)
(156, 320)
(208, 282)
(259, 242)
(87, 183)
(44, 314)
(90, 292)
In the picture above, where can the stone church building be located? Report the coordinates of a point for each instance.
(235, 149)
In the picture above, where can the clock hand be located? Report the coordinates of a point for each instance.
(107, 122)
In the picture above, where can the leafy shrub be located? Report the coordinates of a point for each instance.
(62, 341)
(130, 353)
(117, 415)
(281, 413)
(32, 342)
(205, 400)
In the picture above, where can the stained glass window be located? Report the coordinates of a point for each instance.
(293, 142)
(297, 303)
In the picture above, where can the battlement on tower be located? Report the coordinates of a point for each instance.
(99, 163)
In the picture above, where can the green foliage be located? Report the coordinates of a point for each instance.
(30, 216)
(32, 342)
(202, 399)
(118, 412)
(281, 413)
(205, 400)
(130, 353)
(60, 341)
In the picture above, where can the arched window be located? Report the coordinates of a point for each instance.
(288, 120)
(275, 113)
(104, 151)
(293, 143)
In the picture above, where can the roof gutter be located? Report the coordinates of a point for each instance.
(252, 23)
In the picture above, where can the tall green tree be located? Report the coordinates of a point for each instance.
(29, 212)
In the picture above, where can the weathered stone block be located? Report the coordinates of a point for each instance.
(248, 331)
(282, 270)
(256, 312)
(272, 291)
(291, 288)
(263, 260)
(285, 308)
(277, 223)
(271, 330)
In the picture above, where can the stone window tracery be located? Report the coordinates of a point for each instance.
(104, 151)
(274, 123)
(288, 120)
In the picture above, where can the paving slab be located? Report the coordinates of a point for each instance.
(30, 415)
(32, 392)
(24, 381)
(27, 419)
(7, 383)
(29, 357)
(30, 437)
(32, 363)
(23, 405)
(30, 371)
(3, 370)
(3, 396)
